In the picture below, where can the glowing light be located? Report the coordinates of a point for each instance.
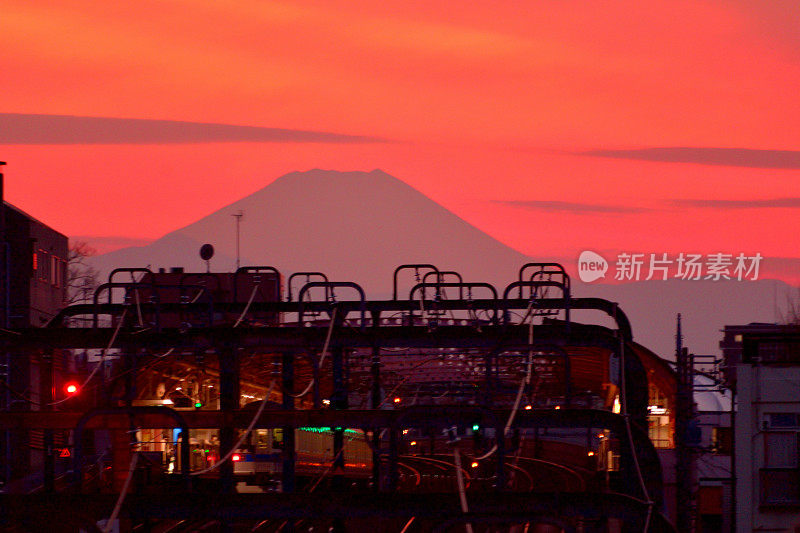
(198, 404)
(474, 464)
(558, 407)
(397, 399)
(528, 407)
(413, 443)
(590, 454)
(601, 436)
(405, 432)
(236, 457)
(71, 388)
(326, 402)
(328, 430)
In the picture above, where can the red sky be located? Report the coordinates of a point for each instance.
(479, 104)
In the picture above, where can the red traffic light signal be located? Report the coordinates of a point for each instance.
(71, 388)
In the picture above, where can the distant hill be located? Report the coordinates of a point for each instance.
(354, 226)
(359, 226)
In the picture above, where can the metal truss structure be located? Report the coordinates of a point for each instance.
(440, 360)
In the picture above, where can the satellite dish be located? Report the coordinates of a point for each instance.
(206, 252)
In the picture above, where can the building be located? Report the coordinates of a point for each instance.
(713, 460)
(763, 367)
(33, 278)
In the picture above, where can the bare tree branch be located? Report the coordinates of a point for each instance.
(81, 277)
(793, 310)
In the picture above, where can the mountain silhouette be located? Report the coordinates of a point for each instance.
(353, 226)
(359, 226)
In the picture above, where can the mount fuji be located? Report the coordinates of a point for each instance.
(359, 226)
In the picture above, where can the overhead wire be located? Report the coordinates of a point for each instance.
(408, 525)
(462, 493)
(100, 363)
(247, 307)
(138, 306)
(322, 357)
(122, 493)
(525, 381)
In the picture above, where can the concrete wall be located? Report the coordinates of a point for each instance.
(762, 390)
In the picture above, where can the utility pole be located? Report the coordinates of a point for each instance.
(5, 371)
(238, 216)
(686, 439)
(5, 322)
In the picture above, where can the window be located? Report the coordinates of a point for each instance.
(660, 427)
(780, 486)
(44, 265)
(783, 420)
(54, 270)
(780, 482)
(58, 275)
(781, 351)
(277, 439)
(722, 439)
(780, 449)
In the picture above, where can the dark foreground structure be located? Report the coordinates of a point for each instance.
(252, 402)
(33, 278)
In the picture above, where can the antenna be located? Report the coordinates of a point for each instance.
(239, 214)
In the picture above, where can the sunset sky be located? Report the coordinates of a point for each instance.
(553, 126)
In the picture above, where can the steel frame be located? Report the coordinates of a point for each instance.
(496, 335)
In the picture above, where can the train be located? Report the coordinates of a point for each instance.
(261, 455)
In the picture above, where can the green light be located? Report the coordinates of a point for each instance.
(328, 430)
(314, 430)
(475, 427)
(198, 404)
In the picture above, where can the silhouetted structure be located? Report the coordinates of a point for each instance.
(763, 366)
(360, 410)
(33, 275)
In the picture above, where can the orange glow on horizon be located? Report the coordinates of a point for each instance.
(480, 105)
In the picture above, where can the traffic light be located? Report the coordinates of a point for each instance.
(71, 388)
(477, 438)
